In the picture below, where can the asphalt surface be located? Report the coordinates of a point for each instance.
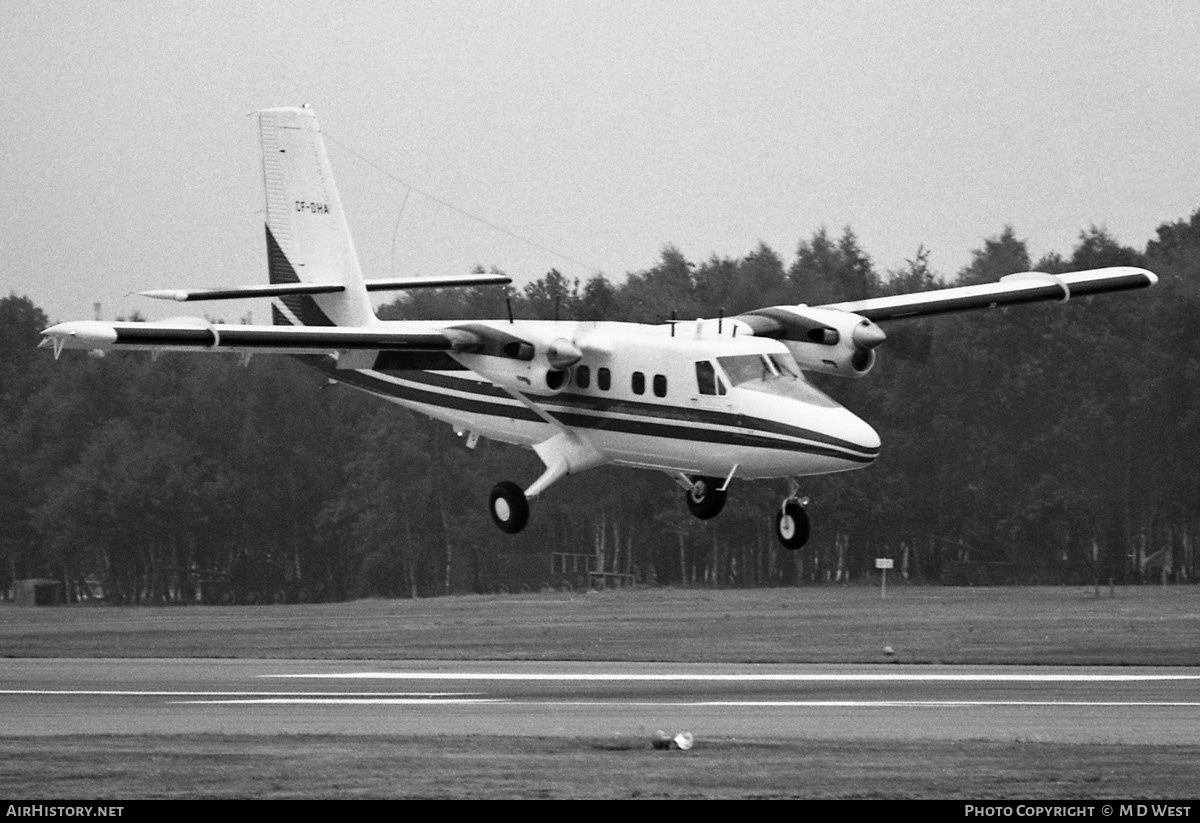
(883, 702)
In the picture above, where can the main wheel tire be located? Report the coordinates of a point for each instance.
(705, 498)
(509, 507)
(792, 525)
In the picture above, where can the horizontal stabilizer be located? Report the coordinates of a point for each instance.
(285, 289)
(438, 282)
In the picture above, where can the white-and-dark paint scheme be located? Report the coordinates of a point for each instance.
(708, 401)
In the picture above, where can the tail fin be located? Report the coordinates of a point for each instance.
(308, 240)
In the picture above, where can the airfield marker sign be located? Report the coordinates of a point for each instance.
(884, 563)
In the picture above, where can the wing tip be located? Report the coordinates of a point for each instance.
(178, 295)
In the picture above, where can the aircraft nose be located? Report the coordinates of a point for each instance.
(858, 432)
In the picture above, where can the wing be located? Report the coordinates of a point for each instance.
(192, 334)
(841, 338)
(1026, 287)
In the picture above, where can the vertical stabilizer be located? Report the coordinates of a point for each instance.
(308, 240)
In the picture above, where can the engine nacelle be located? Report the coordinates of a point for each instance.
(526, 363)
(822, 340)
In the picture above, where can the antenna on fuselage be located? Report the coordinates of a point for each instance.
(672, 321)
(508, 303)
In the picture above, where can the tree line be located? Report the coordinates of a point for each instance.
(1038, 443)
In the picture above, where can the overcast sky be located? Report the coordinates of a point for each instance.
(599, 130)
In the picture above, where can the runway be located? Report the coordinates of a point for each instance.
(593, 700)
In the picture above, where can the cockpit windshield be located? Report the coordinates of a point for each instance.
(743, 368)
(775, 373)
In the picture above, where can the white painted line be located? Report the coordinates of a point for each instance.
(114, 693)
(766, 678)
(907, 704)
(815, 704)
(371, 701)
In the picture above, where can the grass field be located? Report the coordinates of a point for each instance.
(533, 768)
(1039, 626)
(1144, 625)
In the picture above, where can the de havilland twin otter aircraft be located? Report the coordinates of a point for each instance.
(706, 402)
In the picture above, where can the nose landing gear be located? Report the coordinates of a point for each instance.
(791, 521)
(705, 498)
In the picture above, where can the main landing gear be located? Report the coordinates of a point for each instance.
(509, 507)
(563, 454)
(705, 498)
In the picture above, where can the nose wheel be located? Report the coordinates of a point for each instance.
(791, 521)
(509, 507)
(705, 498)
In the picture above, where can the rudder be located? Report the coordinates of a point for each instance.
(308, 239)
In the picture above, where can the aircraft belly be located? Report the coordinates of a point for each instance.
(700, 458)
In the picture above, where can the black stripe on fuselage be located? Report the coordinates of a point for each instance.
(438, 396)
(698, 434)
(368, 382)
(608, 405)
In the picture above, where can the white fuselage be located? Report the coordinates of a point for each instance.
(639, 398)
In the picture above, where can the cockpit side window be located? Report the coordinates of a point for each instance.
(706, 379)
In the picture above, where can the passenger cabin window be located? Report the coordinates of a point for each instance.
(660, 385)
(604, 379)
(639, 383)
(706, 378)
(583, 376)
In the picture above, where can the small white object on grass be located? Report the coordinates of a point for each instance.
(682, 741)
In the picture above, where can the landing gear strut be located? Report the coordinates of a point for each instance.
(705, 498)
(791, 521)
